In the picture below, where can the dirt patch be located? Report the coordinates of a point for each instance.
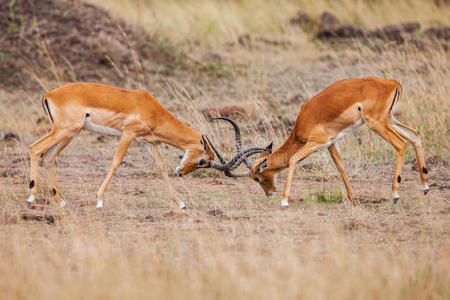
(75, 41)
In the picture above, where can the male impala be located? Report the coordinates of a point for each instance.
(130, 114)
(327, 117)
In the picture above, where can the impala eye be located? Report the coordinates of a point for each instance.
(202, 162)
(256, 179)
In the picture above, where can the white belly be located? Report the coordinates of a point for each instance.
(103, 130)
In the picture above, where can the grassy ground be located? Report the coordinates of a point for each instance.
(233, 242)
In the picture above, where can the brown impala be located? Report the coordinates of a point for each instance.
(130, 114)
(326, 118)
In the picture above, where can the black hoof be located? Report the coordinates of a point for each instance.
(395, 199)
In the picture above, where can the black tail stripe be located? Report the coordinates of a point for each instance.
(393, 101)
(48, 110)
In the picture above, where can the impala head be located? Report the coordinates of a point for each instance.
(263, 175)
(198, 157)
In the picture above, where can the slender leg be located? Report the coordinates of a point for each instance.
(393, 138)
(301, 154)
(413, 137)
(38, 149)
(124, 143)
(339, 162)
(50, 163)
(159, 162)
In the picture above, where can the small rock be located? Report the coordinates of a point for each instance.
(169, 214)
(370, 200)
(341, 32)
(8, 135)
(395, 32)
(353, 224)
(300, 18)
(215, 212)
(273, 42)
(419, 44)
(41, 119)
(438, 33)
(328, 21)
(150, 218)
(245, 40)
(126, 164)
(39, 215)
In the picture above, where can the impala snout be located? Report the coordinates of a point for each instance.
(193, 160)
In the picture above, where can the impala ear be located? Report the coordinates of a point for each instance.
(267, 152)
(203, 142)
(262, 166)
(206, 146)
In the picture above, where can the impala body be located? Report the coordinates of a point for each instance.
(130, 114)
(327, 117)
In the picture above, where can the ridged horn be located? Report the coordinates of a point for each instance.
(219, 156)
(237, 135)
(237, 131)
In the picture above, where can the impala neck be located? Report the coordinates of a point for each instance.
(175, 133)
(279, 159)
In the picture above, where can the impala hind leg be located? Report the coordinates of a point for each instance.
(50, 163)
(124, 143)
(159, 163)
(301, 154)
(38, 149)
(413, 137)
(392, 137)
(339, 162)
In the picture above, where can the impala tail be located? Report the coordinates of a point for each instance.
(46, 108)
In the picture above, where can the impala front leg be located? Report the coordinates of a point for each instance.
(301, 154)
(339, 162)
(124, 143)
(159, 162)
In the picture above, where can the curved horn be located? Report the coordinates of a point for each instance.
(221, 167)
(215, 151)
(237, 131)
(237, 135)
(247, 173)
(228, 167)
(242, 157)
(237, 159)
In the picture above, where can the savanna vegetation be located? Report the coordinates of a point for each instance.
(266, 57)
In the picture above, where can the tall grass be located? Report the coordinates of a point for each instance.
(214, 22)
(199, 257)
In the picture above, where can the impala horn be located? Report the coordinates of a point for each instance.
(237, 135)
(241, 156)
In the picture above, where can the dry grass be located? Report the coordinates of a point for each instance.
(142, 246)
(214, 22)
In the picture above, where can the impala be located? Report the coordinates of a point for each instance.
(326, 118)
(130, 114)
